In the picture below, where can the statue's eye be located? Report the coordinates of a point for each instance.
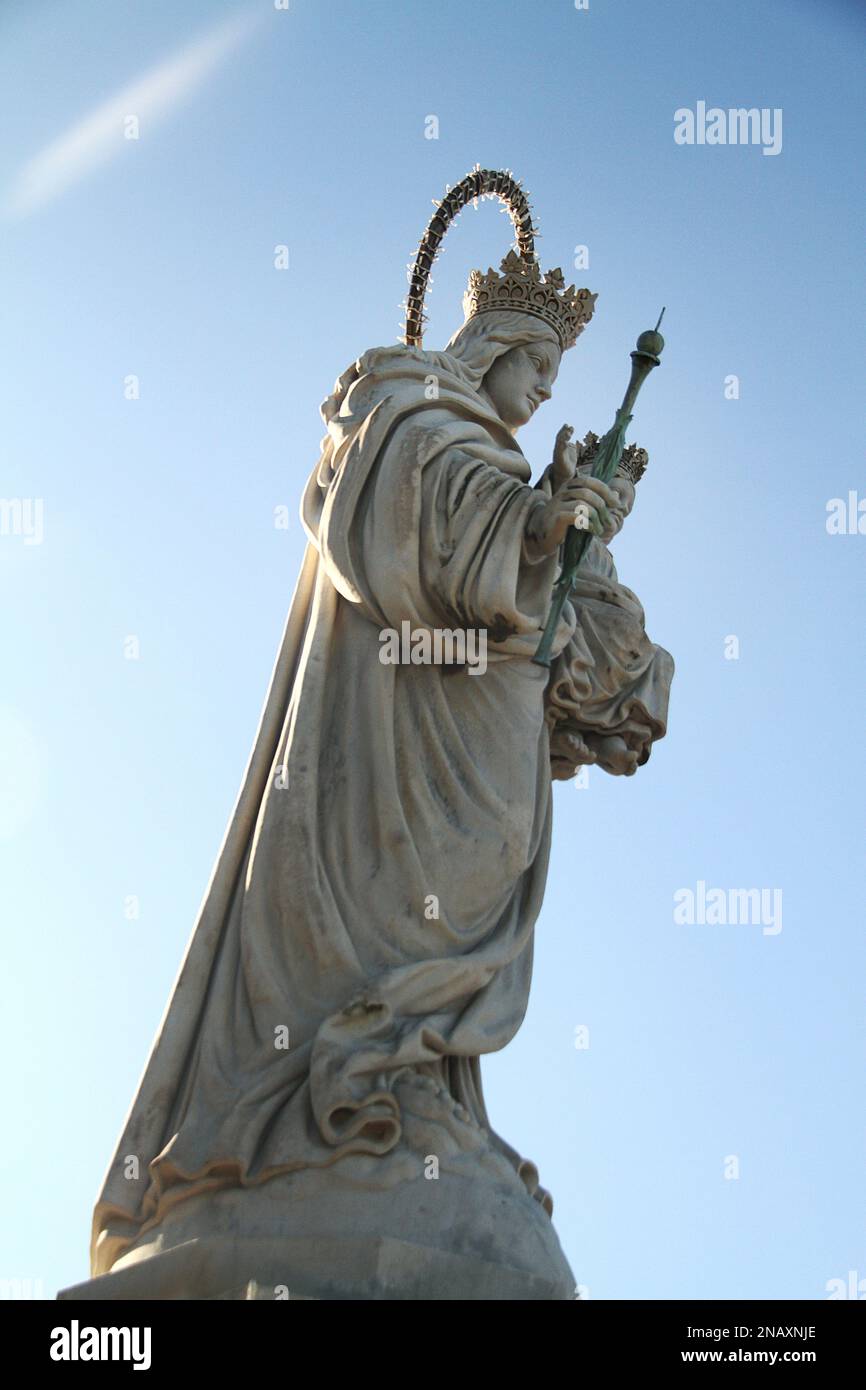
(536, 362)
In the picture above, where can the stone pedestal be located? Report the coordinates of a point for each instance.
(384, 1269)
(322, 1236)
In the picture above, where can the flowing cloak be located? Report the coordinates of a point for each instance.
(370, 915)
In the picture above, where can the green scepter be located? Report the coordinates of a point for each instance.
(609, 452)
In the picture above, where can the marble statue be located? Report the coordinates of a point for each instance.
(311, 1121)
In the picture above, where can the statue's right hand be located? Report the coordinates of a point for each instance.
(581, 502)
(565, 455)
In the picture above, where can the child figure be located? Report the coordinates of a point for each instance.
(608, 694)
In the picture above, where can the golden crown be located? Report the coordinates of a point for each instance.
(523, 286)
(632, 465)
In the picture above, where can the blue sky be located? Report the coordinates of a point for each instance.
(154, 257)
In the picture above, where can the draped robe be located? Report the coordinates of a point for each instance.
(368, 927)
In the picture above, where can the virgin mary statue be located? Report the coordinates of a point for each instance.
(310, 1122)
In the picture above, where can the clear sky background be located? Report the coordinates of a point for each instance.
(155, 257)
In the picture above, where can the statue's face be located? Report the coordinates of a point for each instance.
(521, 379)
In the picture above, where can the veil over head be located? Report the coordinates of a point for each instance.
(484, 337)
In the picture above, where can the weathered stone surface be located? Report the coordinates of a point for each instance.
(359, 1231)
(385, 1269)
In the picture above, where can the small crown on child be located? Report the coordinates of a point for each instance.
(523, 286)
(632, 465)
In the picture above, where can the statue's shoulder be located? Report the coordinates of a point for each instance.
(395, 370)
(398, 359)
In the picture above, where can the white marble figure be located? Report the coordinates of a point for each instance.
(367, 934)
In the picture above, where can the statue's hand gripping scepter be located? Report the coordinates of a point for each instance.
(645, 356)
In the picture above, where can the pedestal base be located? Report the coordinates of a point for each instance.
(342, 1269)
(366, 1228)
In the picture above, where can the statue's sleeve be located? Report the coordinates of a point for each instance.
(432, 532)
